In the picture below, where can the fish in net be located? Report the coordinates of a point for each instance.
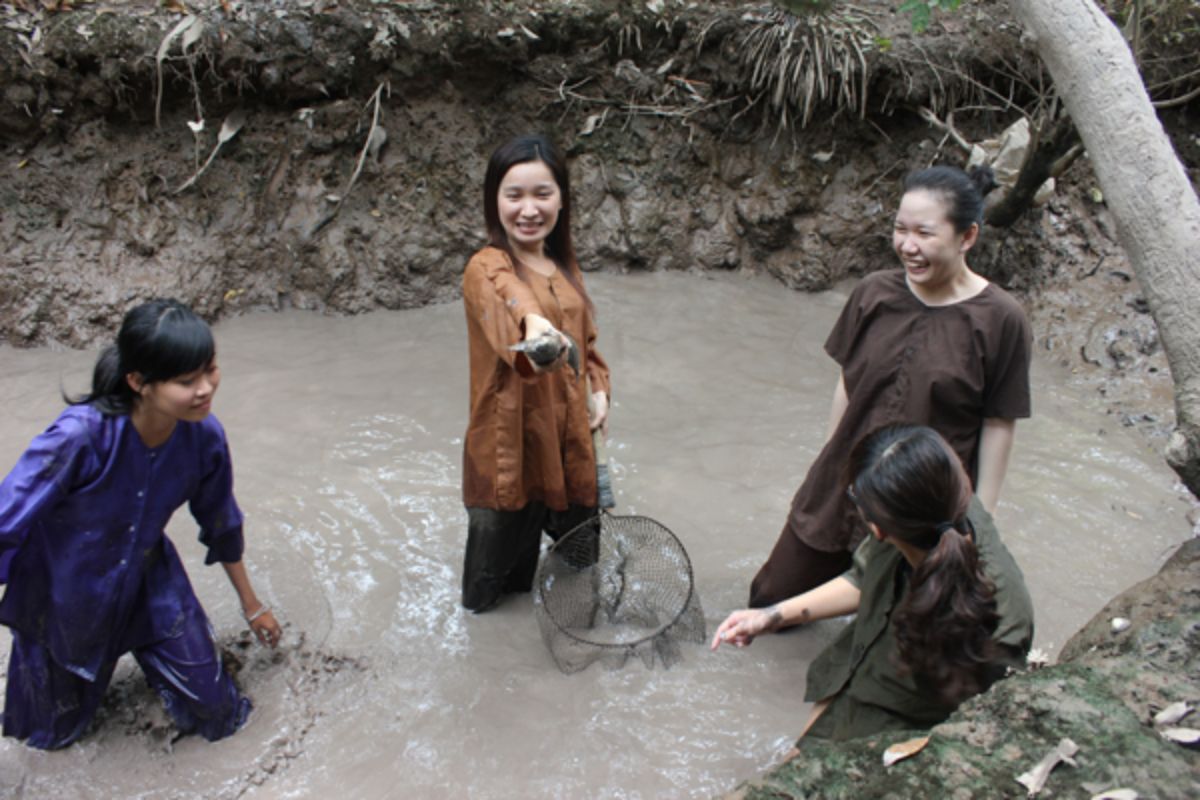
(617, 587)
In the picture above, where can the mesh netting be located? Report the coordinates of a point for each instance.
(616, 587)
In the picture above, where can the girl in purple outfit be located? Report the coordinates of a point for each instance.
(90, 573)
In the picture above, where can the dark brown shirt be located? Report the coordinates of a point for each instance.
(948, 367)
(528, 437)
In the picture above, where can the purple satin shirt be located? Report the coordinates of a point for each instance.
(90, 571)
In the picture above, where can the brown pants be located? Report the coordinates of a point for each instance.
(503, 547)
(794, 567)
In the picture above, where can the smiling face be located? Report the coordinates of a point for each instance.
(187, 397)
(528, 202)
(932, 251)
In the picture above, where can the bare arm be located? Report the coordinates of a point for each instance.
(833, 598)
(995, 445)
(261, 620)
(837, 409)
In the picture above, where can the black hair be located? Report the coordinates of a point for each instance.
(911, 484)
(559, 246)
(963, 192)
(159, 339)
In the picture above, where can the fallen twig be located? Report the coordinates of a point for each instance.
(947, 127)
(229, 128)
(372, 144)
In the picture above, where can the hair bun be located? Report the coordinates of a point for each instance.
(983, 177)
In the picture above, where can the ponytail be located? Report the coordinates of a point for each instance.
(907, 481)
(158, 340)
(944, 625)
(111, 393)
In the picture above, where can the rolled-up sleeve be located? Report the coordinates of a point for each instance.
(213, 505)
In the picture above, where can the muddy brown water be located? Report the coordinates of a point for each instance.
(347, 433)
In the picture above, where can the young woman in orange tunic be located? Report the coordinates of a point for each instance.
(528, 461)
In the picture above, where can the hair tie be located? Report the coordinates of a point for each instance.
(945, 526)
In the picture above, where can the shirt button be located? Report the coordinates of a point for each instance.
(141, 494)
(123, 562)
(132, 528)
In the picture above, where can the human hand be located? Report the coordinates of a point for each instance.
(536, 326)
(598, 412)
(740, 627)
(264, 626)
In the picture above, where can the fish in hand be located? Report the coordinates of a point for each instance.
(544, 350)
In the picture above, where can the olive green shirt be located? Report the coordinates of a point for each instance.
(858, 671)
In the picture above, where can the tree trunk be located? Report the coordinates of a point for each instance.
(1144, 184)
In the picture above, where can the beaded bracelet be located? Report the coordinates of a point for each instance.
(263, 609)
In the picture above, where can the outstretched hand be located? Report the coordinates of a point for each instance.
(740, 627)
(537, 326)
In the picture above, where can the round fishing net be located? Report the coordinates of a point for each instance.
(613, 588)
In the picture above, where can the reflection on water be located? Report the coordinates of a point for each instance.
(347, 436)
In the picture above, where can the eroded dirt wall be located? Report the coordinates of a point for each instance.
(673, 168)
(678, 159)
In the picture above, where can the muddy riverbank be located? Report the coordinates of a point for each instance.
(678, 154)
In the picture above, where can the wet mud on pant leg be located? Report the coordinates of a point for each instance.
(187, 673)
(499, 544)
(46, 705)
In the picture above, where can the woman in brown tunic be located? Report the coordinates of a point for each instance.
(528, 461)
(933, 343)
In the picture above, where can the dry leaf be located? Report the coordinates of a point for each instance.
(1117, 794)
(1173, 713)
(1188, 737)
(1035, 779)
(903, 750)
(592, 123)
(530, 34)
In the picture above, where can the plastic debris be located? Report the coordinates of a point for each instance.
(1120, 624)
(1117, 794)
(1035, 779)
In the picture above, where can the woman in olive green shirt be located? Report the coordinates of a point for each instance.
(942, 606)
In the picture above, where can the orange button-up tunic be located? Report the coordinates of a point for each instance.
(528, 438)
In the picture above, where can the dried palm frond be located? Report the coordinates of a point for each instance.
(801, 61)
